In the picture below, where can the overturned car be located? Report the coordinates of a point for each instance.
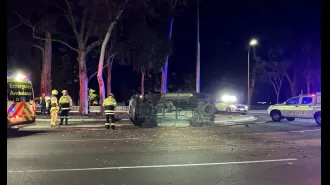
(172, 109)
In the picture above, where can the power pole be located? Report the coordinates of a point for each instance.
(198, 54)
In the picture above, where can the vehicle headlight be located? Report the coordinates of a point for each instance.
(246, 107)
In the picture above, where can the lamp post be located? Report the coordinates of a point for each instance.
(253, 42)
(198, 68)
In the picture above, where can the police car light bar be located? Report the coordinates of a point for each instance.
(18, 76)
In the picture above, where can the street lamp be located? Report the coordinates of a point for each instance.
(252, 43)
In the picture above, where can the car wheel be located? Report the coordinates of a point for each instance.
(290, 119)
(318, 118)
(276, 116)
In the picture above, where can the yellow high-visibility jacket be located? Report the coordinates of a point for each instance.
(65, 102)
(109, 105)
(54, 103)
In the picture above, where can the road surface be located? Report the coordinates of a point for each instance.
(254, 154)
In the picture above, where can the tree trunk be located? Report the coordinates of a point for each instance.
(109, 67)
(83, 83)
(308, 78)
(308, 85)
(101, 60)
(46, 83)
(277, 98)
(142, 81)
(165, 69)
(100, 70)
(293, 82)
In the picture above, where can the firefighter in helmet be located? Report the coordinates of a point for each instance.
(65, 104)
(54, 108)
(109, 105)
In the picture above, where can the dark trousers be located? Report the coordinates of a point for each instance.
(48, 110)
(64, 115)
(43, 110)
(110, 116)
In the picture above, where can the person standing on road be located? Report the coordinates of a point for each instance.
(109, 105)
(49, 106)
(43, 104)
(54, 108)
(65, 104)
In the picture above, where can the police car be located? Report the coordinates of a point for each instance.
(303, 106)
(229, 104)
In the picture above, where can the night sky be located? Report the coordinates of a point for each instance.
(225, 30)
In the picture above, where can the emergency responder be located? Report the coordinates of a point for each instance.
(43, 104)
(54, 108)
(65, 104)
(49, 106)
(109, 105)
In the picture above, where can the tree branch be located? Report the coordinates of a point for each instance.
(288, 78)
(274, 86)
(83, 24)
(92, 75)
(93, 45)
(27, 23)
(71, 19)
(12, 28)
(39, 47)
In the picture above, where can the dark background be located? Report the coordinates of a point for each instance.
(225, 30)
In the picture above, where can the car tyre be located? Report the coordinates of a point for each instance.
(317, 118)
(276, 116)
(290, 119)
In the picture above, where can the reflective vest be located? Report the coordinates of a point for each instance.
(109, 105)
(65, 102)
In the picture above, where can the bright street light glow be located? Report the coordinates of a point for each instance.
(253, 42)
(227, 98)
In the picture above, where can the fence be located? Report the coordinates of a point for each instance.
(95, 109)
(125, 108)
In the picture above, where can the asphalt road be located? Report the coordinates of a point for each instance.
(264, 153)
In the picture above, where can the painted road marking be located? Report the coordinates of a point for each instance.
(152, 166)
(73, 140)
(296, 131)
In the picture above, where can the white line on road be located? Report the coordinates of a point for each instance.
(302, 131)
(152, 166)
(73, 140)
(296, 131)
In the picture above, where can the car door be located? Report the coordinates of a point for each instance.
(306, 107)
(290, 107)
